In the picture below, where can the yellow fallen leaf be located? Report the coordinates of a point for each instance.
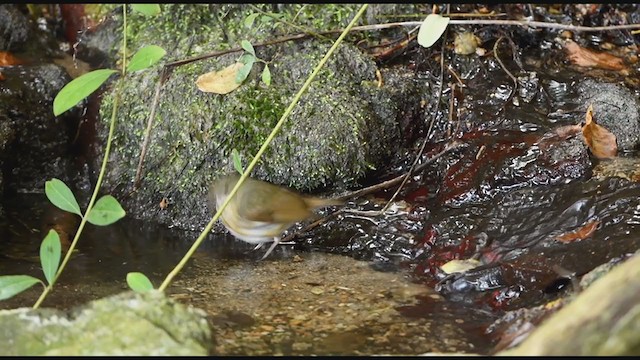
(220, 82)
(461, 266)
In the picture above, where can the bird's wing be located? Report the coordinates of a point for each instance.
(283, 208)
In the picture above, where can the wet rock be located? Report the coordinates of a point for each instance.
(127, 324)
(42, 141)
(19, 34)
(516, 326)
(602, 320)
(14, 27)
(502, 159)
(615, 107)
(522, 250)
(7, 133)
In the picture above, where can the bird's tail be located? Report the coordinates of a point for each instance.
(315, 202)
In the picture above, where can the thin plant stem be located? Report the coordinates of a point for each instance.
(92, 201)
(263, 148)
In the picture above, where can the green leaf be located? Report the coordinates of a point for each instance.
(61, 196)
(139, 282)
(50, 251)
(146, 57)
(431, 29)
(244, 72)
(248, 22)
(248, 47)
(247, 58)
(266, 75)
(236, 161)
(11, 285)
(106, 211)
(78, 89)
(146, 9)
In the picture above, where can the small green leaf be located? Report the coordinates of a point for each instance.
(244, 72)
(50, 251)
(266, 19)
(236, 161)
(78, 89)
(248, 47)
(106, 211)
(431, 29)
(11, 285)
(248, 22)
(146, 57)
(61, 196)
(247, 58)
(146, 9)
(139, 282)
(266, 75)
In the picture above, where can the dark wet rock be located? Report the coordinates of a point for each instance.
(616, 108)
(343, 127)
(127, 324)
(509, 159)
(14, 27)
(18, 34)
(521, 252)
(515, 326)
(602, 320)
(42, 142)
(7, 133)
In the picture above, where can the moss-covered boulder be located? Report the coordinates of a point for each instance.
(148, 324)
(343, 127)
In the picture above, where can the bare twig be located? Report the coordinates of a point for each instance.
(391, 182)
(536, 24)
(515, 81)
(164, 75)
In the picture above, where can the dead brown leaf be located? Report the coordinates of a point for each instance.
(220, 82)
(588, 58)
(6, 59)
(601, 141)
(579, 234)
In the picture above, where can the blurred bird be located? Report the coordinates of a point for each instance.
(260, 211)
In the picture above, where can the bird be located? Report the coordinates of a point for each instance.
(260, 211)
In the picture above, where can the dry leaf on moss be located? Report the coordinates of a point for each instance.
(601, 141)
(587, 58)
(220, 82)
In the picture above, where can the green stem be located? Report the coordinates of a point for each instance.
(263, 148)
(48, 289)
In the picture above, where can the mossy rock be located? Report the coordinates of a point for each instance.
(343, 127)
